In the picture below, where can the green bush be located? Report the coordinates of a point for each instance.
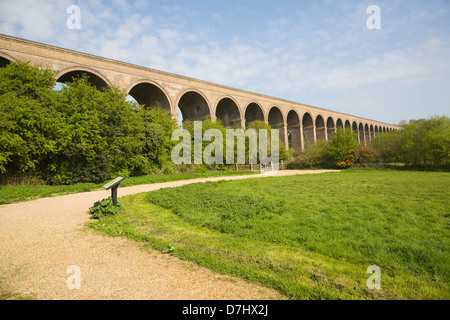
(342, 147)
(339, 151)
(421, 143)
(76, 134)
(365, 156)
(103, 208)
(315, 155)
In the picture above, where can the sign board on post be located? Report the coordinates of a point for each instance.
(113, 185)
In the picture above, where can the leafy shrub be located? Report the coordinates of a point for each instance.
(315, 155)
(342, 147)
(348, 159)
(365, 156)
(78, 133)
(338, 152)
(103, 208)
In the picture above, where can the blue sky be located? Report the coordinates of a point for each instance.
(319, 53)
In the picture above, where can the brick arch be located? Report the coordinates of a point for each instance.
(193, 107)
(307, 122)
(150, 94)
(331, 127)
(275, 117)
(258, 113)
(320, 127)
(293, 129)
(228, 111)
(95, 77)
(5, 59)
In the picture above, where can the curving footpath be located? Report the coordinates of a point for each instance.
(40, 239)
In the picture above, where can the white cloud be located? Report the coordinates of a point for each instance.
(317, 55)
(37, 20)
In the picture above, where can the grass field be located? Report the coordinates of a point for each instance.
(14, 193)
(308, 236)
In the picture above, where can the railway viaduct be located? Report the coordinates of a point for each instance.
(299, 125)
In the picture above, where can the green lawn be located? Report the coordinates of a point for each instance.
(308, 236)
(14, 193)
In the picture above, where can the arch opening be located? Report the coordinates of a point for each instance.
(331, 129)
(193, 106)
(366, 133)
(355, 130)
(4, 62)
(320, 128)
(347, 124)
(308, 130)
(276, 121)
(93, 79)
(372, 132)
(150, 96)
(361, 133)
(293, 128)
(253, 112)
(228, 112)
(339, 124)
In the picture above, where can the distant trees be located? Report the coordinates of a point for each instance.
(424, 142)
(338, 152)
(421, 143)
(233, 139)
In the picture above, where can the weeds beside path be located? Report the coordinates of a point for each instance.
(15, 193)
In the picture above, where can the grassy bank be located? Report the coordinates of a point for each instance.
(309, 236)
(14, 193)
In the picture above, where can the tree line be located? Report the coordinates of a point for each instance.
(82, 134)
(423, 144)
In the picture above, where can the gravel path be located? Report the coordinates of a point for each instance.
(40, 239)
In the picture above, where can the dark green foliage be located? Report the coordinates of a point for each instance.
(29, 123)
(317, 155)
(81, 134)
(76, 134)
(103, 208)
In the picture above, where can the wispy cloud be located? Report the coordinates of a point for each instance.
(308, 53)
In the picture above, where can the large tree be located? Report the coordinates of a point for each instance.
(343, 146)
(77, 133)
